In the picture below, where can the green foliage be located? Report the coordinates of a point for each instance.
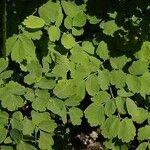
(70, 63)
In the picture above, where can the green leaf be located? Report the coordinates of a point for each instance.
(132, 107)
(70, 8)
(77, 31)
(139, 67)
(51, 12)
(3, 147)
(4, 116)
(46, 83)
(25, 146)
(118, 78)
(119, 62)
(95, 114)
(93, 19)
(102, 50)
(92, 85)
(133, 83)
(75, 99)
(54, 33)
(28, 126)
(10, 42)
(109, 27)
(64, 88)
(110, 127)
(57, 107)
(45, 141)
(16, 135)
(3, 134)
(33, 34)
(120, 104)
(145, 83)
(88, 47)
(101, 98)
(37, 117)
(127, 130)
(17, 121)
(47, 126)
(110, 107)
(33, 22)
(68, 22)
(12, 100)
(143, 133)
(104, 79)
(79, 20)
(142, 146)
(68, 41)
(144, 52)
(41, 101)
(75, 115)
(3, 64)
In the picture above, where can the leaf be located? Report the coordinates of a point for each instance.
(3, 64)
(119, 62)
(46, 83)
(17, 54)
(109, 27)
(70, 8)
(54, 33)
(68, 41)
(77, 31)
(132, 107)
(143, 133)
(93, 19)
(142, 146)
(102, 50)
(45, 141)
(95, 114)
(51, 12)
(3, 134)
(79, 20)
(127, 130)
(88, 47)
(104, 79)
(110, 107)
(3, 147)
(138, 67)
(25, 146)
(75, 115)
(68, 22)
(10, 43)
(92, 85)
(4, 116)
(17, 121)
(37, 117)
(101, 98)
(120, 104)
(16, 135)
(118, 78)
(12, 100)
(145, 83)
(28, 126)
(64, 88)
(33, 22)
(144, 52)
(33, 34)
(48, 126)
(110, 127)
(41, 101)
(133, 83)
(57, 107)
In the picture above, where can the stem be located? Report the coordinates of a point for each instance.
(3, 33)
